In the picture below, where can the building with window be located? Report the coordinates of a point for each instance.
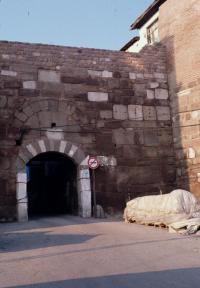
(148, 26)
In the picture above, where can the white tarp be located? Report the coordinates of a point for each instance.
(177, 210)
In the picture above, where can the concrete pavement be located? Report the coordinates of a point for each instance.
(72, 252)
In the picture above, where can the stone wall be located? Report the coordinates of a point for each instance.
(182, 39)
(111, 104)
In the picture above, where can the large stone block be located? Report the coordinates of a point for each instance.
(151, 138)
(135, 112)
(161, 94)
(122, 137)
(149, 113)
(106, 114)
(150, 94)
(29, 85)
(3, 101)
(120, 112)
(8, 73)
(97, 96)
(163, 113)
(48, 76)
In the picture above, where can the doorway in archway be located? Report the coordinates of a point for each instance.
(51, 185)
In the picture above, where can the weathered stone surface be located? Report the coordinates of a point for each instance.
(79, 104)
(132, 76)
(3, 101)
(161, 94)
(154, 85)
(49, 76)
(150, 94)
(29, 85)
(163, 113)
(135, 112)
(97, 96)
(107, 74)
(106, 114)
(191, 153)
(149, 113)
(8, 73)
(120, 112)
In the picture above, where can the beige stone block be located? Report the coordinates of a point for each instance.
(150, 94)
(149, 113)
(191, 153)
(163, 113)
(135, 112)
(29, 85)
(107, 74)
(120, 112)
(132, 76)
(161, 94)
(49, 76)
(106, 114)
(97, 96)
(8, 73)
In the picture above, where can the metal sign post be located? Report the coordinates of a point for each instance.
(93, 164)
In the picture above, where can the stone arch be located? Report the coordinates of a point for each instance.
(30, 150)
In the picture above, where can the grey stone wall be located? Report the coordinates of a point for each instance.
(111, 104)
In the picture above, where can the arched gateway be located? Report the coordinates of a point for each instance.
(34, 150)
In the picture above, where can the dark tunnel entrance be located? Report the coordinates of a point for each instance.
(51, 186)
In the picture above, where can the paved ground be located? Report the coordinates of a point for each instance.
(72, 252)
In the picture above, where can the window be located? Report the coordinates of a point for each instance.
(152, 33)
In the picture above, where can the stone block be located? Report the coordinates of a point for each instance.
(95, 73)
(122, 137)
(72, 151)
(29, 85)
(42, 146)
(159, 75)
(132, 76)
(8, 73)
(21, 177)
(161, 94)
(120, 112)
(191, 153)
(55, 134)
(84, 174)
(150, 94)
(140, 75)
(106, 114)
(97, 96)
(49, 76)
(154, 85)
(3, 101)
(22, 212)
(149, 113)
(163, 113)
(21, 192)
(84, 185)
(21, 116)
(135, 112)
(107, 74)
(78, 156)
(151, 138)
(32, 149)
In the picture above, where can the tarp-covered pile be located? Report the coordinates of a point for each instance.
(178, 210)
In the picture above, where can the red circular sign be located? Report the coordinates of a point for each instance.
(93, 162)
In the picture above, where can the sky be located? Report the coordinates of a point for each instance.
(103, 24)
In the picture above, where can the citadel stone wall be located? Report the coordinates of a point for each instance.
(111, 104)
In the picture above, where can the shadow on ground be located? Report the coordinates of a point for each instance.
(22, 241)
(180, 278)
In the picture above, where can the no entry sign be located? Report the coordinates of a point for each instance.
(93, 162)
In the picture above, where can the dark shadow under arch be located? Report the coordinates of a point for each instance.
(52, 185)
